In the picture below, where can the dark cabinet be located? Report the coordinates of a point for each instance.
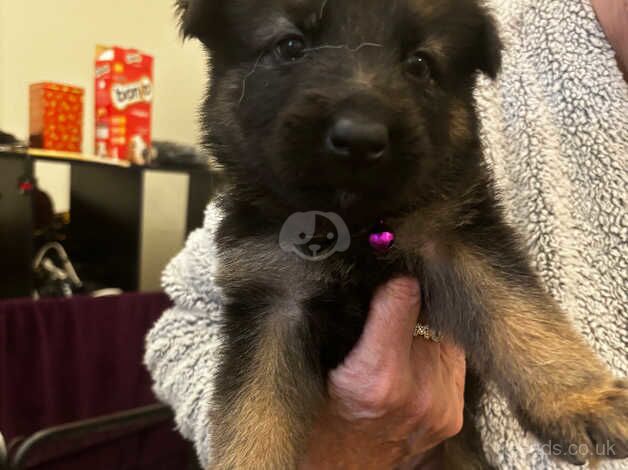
(16, 222)
(125, 223)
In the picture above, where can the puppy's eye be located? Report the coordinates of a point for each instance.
(290, 49)
(419, 66)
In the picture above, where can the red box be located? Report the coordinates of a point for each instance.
(56, 117)
(123, 98)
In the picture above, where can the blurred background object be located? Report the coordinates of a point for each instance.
(172, 154)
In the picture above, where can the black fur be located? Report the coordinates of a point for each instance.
(266, 120)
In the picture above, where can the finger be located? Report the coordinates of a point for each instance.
(453, 360)
(425, 360)
(452, 353)
(419, 443)
(388, 332)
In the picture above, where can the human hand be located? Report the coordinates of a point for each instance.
(613, 16)
(395, 397)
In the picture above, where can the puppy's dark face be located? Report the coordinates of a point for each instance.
(362, 107)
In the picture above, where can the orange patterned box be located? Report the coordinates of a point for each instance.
(56, 117)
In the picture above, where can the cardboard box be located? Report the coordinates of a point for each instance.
(56, 117)
(123, 103)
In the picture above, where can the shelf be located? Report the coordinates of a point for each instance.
(76, 157)
(82, 159)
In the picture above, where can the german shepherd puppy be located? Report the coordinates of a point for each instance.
(364, 109)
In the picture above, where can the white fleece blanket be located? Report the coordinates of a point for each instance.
(556, 131)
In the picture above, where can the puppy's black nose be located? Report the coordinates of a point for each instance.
(358, 138)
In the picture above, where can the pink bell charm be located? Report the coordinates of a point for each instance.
(381, 239)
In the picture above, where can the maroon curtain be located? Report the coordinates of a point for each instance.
(64, 360)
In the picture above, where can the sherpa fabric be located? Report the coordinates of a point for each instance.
(555, 127)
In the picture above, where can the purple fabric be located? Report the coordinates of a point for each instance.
(72, 359)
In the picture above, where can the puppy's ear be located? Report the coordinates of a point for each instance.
(198, 17)
(489, 48)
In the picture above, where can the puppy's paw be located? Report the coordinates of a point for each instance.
(594, 425)
(608, 423)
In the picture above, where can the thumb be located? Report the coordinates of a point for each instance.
(388, 333)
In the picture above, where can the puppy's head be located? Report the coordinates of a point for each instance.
(355, 106)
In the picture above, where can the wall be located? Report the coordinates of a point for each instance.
(55, 41)
(165, 198)
(2, 56)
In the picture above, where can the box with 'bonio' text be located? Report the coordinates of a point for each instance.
(123, 99)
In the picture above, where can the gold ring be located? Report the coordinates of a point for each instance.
(427, 333)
